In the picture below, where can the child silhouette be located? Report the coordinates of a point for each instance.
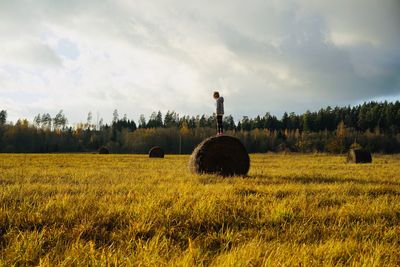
(219, 112)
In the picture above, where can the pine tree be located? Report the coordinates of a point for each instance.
(3, 117)
(115, 116)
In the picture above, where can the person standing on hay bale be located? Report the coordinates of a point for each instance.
(220, 112)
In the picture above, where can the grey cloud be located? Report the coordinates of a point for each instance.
(328, 70)
(264, 55)
(39, 54)
(29, 53)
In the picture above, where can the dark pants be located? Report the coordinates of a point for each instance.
(220, 128)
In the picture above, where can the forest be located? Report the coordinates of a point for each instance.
(372, 125)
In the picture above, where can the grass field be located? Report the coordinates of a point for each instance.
(103, 210)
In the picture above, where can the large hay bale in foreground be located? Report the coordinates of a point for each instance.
(223, 155)
(104, 150)
(359, 155)
(156, 152)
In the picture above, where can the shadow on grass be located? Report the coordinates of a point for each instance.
(210, 179)
(6, 182)
(265, 179)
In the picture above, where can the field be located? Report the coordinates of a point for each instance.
(106, 210)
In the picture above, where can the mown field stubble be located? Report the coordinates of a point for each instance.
(104, 210)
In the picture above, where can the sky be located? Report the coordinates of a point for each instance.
(143, 56)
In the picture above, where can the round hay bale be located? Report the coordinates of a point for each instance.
(359, 155)
(156, 152)
(104, 150)
(223, 155)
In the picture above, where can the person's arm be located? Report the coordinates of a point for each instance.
(220, 106)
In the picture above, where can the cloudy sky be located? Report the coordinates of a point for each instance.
(146, 55)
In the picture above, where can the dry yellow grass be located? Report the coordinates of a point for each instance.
(129, 210)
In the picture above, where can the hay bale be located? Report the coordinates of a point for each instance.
(156, 152)
(223, 155)
(104, 150)
(359, 155)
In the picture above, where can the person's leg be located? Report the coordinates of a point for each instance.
(217, 120)
(222, 126)
(219, 124)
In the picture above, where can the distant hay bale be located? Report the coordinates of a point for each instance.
(359, 155)
(223, 155)
(156, 152)
(104, 150)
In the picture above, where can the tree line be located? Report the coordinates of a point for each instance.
(373, 125)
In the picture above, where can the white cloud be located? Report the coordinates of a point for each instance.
(28, 53)
(351, 39)
(141, 56)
